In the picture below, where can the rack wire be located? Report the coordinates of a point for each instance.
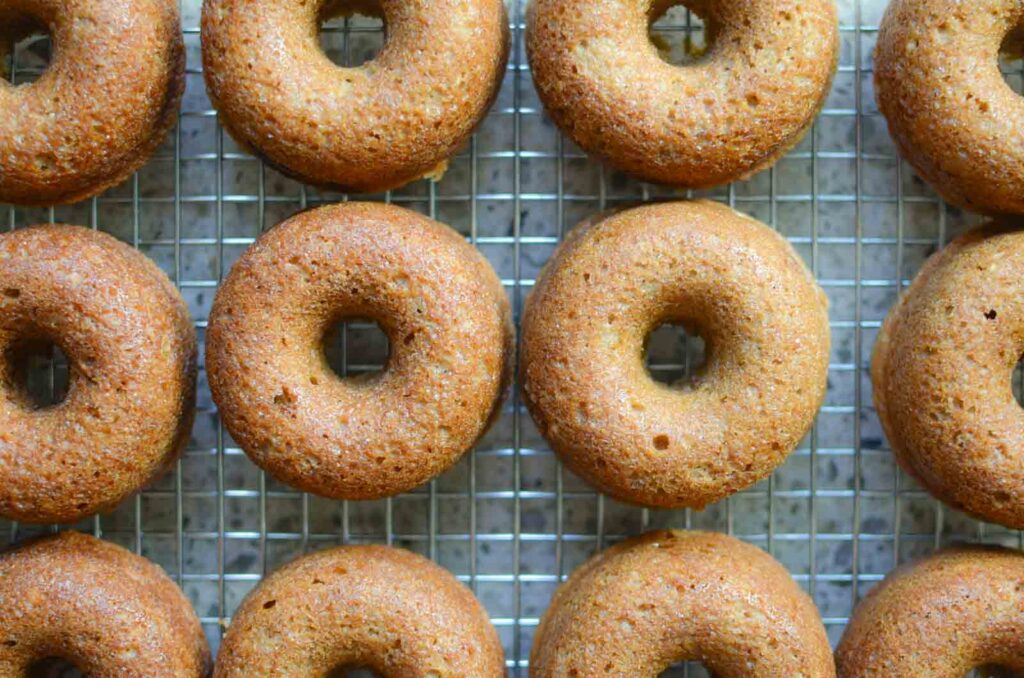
(508, 520)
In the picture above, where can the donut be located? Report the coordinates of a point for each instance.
(105, 610)
(374, 607)
(719, 273)
(942, 369)
(940, 617)
(105, 104)
(449, 327)
(670, 596)
(735, 111)
(967, 141)
(131, 350)
(367, 129)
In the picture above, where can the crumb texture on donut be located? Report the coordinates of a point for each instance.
(104, 105)
(669, 596)
(365, 129)
(951, 113)
(942, 370)
(131, 349)
(615, 280)
(449, 326)
(377, 607)
(940, 617)
(735, 111)
(92, 603)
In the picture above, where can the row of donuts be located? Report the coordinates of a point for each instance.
(633, 610)
(113, 91)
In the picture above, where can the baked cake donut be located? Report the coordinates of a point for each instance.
(107, 101)
(669, 596)
(940, 617)
(374, 607)
(449, 326)
(735, 111)
(131, 350)
(92, 603)
(942, 370)
(733, 280)
(968, 140)
(366, 129)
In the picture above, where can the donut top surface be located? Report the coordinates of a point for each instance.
(739, 107)
(105, 103)
(950, 111)
(668, 596)
(940, 617)
(369, 128)
(942, 371)
(109, 612)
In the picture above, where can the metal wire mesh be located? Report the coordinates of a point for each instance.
(508, 520)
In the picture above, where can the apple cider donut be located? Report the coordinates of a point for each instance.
(951, 113)
(940, 617)
(615, 280)
(131, 349)
(92, 603)
(374, 607)
(942, 369)
(738, 109)
(107, 101)
(669, 596)
(366, 129)
(448, 322)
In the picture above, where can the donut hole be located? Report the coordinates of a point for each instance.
(678, 34)
(353, 672)
(1011, 59)
(1017, 382)
(25, 51)
(54, 667)
(674, 355)
(352, 33)
(357, 348)
(687, 670)
(36, 373)
(992, 671)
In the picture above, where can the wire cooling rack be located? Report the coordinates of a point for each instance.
(507, 519)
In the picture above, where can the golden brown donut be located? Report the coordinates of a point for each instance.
(951, 113)
(447, 319)
(131, 349)
(92, 603)
(366, 129)
(733, 280)
(671, 596)
(940, 617)
(374, 607)
(941, 371)
(738, 109)
(107, 101)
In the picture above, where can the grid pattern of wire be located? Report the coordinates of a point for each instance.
(508, 520)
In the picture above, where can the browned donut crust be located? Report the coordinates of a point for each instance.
(107, 611)
(616, 279)
(942, 369)
(448, 322)
(951, 113)
(669, 596)
(746, 102)
(940, 617)
(377, 607)
(132, 352)
(107, 101)
(366, 129)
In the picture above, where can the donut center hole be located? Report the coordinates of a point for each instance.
(352, 672)
(352, 32)
(674, 354)
(677, 32)
(37, 373)
(54, 667)
(25, 50)
(1011, 59)
(1017, 382)
(993, 671)
(356, 348)
(687, 670)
